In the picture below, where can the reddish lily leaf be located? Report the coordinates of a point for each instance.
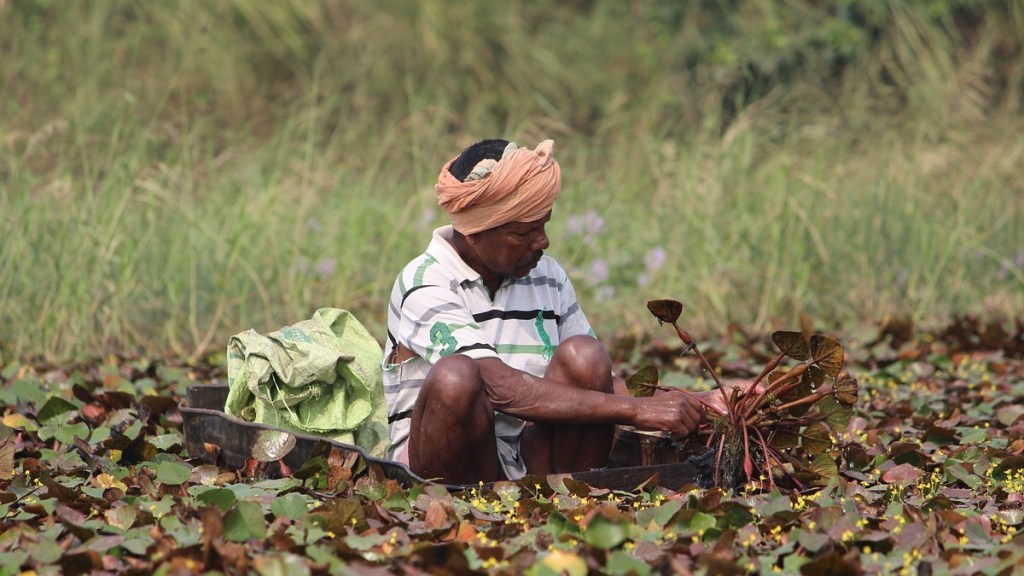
(827, 354)
(903, 474)
(845, 389)
(791, 344)
(666, 310)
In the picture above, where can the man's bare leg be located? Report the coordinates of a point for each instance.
(583, 362)
(452, 434)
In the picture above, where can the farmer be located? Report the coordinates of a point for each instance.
(491, 369)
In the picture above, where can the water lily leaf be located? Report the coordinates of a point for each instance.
(845, 389)
(733, 514)
(281, 564)
(292, 506)
(272, 445)
(46, 551)
(245, 522)
(622, 562)
(55, 406)
(957, 471)
(173, 473)
(1007, 415)
(561, 562)
(1009, 464)
(835, 415)
(164, 441)
(831, 563)
(122, 517)
(7, 457)
(20, 422)
(660, 515)
(812, 541)
(801, 390)
(222, 498)
(908, 453)
(604, 534)
(557, 524)
(643, 382)
(784, 439)
(827, 354)
(815, 439)
(665, 310)
(791, 344)
(340, 514)
(824, 466)
(68, 432)
(902, 474)
(28, 390)
(815, 376)
(702, 521)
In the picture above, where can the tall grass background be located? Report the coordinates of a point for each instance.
(172, 173)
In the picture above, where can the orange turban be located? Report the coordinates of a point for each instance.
(521, 187)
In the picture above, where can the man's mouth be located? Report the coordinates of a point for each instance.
(531, 263)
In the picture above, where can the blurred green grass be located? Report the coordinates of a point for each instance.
(173, 173)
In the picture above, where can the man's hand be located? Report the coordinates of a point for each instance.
(672, 412)
(716, 401)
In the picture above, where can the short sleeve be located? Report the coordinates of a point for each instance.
(435, 322)
(574, 321)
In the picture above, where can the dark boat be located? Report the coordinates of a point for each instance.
(637, 459)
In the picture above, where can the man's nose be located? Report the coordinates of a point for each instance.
(542, 242)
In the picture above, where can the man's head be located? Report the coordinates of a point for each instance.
(494, 182)
(499, 198)
(470, 157)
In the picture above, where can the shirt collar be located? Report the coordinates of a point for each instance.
(441, 249)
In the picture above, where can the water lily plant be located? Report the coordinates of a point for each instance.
(781, 424)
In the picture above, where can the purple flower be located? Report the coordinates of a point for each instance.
(590, 223)
(598, 271)
(654, 259)
(325, 268)
(427, 218)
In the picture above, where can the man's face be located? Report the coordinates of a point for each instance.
(512, 250)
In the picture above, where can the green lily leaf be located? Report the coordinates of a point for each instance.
(222, 498)
(292, 506)
(643, 382)
(174, 473)
(815, 439)
(824, 466)
(245, 522)
(604, 534)
(54, 408)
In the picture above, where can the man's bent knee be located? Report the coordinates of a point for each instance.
(584, 361)
(453, 381)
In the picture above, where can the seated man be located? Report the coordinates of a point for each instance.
(491, 369)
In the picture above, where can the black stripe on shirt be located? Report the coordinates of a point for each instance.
(514, 315)
(400, 416)
(413, 289)
(475, 347)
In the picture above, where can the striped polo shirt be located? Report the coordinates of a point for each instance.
(440, 306)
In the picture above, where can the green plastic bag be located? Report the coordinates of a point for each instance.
(320, 376)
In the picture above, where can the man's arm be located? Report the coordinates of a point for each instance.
(544, 400)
